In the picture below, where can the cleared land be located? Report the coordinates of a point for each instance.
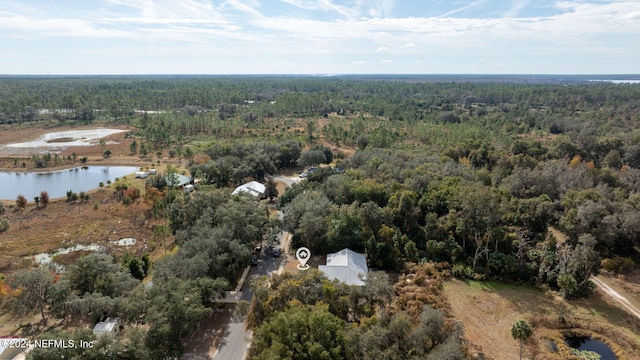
(100, 220)
(487, 310)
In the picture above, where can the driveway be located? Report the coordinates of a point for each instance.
(236, 339)
(288, 181)
(621, 299)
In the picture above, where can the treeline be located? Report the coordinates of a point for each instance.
(487, 213)
(116, 98)
(233, 164)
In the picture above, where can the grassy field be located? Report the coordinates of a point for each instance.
(488, 309)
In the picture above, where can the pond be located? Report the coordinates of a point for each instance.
(586, 343)
(57, 183)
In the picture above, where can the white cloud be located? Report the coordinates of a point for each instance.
(382, 8)
(386, 61)
(463, 8)
(235, 28)
(516, 8)
(325, 5)
(579, 21)
(359, 62)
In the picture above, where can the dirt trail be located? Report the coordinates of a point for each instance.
(616, 295)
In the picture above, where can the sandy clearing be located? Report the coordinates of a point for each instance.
(70, 138)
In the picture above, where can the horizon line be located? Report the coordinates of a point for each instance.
(324, 74)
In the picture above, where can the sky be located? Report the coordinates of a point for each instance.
(319, 37)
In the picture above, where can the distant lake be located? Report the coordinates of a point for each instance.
(623, 81)
(57, 183)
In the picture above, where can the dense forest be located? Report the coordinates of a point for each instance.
(534, 183)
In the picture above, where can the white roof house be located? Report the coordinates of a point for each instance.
(177, 180)
(11, 348)
(347, 266)
(254, 188)
(109, 326)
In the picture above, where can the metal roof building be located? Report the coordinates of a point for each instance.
(347, 266)
(253, 188)
(178, 180)
(109, 326)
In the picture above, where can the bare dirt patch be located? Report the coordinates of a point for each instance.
(487, 311)
(487, 316)
(19, 159)
(62, 224)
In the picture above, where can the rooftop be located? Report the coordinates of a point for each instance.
(347, 266)
(179, 180)
(254, 188)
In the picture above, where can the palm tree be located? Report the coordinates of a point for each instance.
(521, 330)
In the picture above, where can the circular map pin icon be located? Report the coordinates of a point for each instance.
(303, 255)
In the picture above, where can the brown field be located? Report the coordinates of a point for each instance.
(100, 220)
(487, 310)
(62, 224)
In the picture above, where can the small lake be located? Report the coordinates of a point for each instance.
(597, 346)
(57, 183)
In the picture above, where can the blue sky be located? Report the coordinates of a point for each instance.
(319, 37)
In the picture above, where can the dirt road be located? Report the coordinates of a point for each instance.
(616, 295)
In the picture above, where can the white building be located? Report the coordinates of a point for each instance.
(346, 266)
(107, 327)
(12, 348)
(254, 188)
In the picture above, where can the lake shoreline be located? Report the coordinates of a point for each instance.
(57, 183)
(106, 162)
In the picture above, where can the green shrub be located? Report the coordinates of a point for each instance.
(4, 225)
(617, 265)
(71, 196)
(462, 272)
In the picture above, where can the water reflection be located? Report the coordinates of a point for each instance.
(57, 183)
(587, 343)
